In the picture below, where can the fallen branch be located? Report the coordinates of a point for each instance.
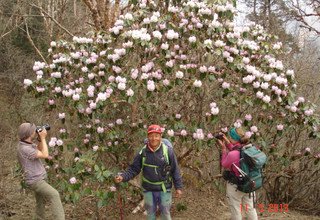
(139, 207)
(196, 169)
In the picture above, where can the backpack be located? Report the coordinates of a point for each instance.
(166, 167)
(252, 161)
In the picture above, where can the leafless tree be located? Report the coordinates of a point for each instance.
(307, 12)
(103, 12)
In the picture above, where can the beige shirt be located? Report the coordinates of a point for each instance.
(33, 169)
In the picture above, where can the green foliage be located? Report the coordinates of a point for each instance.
(181, 206)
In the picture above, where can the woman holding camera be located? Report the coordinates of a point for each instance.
(238, 201)
(29, 155)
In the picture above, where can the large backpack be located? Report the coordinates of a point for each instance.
(252, 160)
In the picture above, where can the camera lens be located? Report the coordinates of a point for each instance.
(47, 127)
(40, 128)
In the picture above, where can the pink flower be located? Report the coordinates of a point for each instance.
(151, 86)
(51, 102)
(254, 129)
(73, 180)
(52, 143)
(85, 141)
(113, 188)
(170, 133)
(130, 92)
(280, 127)
(248, 134)
(100, 130)
(134, 73)
(183, 133)
(95, 148)
(166, 82)
(248, 117)
(198, 134)
(59, 142)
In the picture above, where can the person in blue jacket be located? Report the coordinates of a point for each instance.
(160, 171)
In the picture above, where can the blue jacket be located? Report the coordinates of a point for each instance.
(155, 174)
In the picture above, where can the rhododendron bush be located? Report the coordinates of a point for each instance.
(188, 68)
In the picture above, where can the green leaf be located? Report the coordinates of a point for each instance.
(86, 191)
(101, 203)
(212, 78)
(233, 101)
(107, 173)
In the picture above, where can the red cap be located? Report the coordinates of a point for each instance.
(154, 129)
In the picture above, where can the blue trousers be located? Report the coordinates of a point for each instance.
(161, 199)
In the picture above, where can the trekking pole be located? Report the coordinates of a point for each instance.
(220, 155)
(118, 187)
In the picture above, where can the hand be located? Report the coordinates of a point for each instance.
(222, 144)
(178, 193)
(43, 134)
(118, 179)
(226, 139)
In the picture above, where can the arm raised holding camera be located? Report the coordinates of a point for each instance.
(42, 146)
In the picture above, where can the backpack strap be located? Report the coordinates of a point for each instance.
(165, 151)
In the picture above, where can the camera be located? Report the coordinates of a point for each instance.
(40, 128)
(218, 136)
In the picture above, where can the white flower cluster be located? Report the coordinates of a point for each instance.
(61, 59)
(55, 142)
(118, 26)
(171, 34)
(140, 34)
(198, 135)
(151, 85)
(82, 40)
(121, 83)
(214, 108)
(197, 83)
(147, 67)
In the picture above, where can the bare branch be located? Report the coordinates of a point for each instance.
(5, 34)
(92, 5)
(301, 14)
(31, 41)
(54, 20)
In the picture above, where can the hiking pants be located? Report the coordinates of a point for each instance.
(44, 192)
(161, 199)
(239, 202)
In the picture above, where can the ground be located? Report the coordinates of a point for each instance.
(199, 204)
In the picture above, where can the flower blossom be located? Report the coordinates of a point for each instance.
(170, 133)
(197, 83)
(73, 180)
